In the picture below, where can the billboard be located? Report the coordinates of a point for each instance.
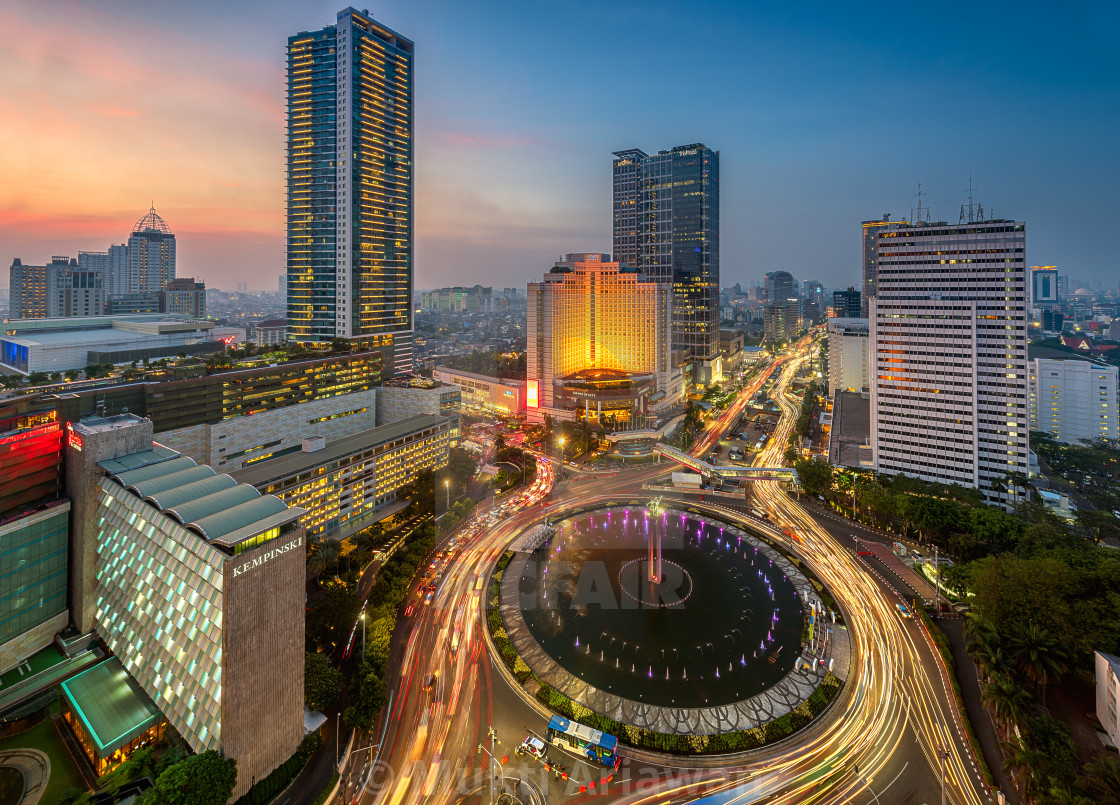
(531, 394)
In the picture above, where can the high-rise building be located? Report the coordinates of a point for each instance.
(350, 187)
(949, 352)
(151, 255)
(666, 225)
(782, 320)
(184, 297)
(113, 265)
(1044, 285)
(599, 345)
(848, 348)
(780, 286)
(846, 304)
(56, 290)
(1074, 399)
(28, 290)
(478, 299)
(871, 231)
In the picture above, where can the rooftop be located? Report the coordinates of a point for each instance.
(102, 424)
(213, 506)
(111, 705)
(294, 463)
(152, 223)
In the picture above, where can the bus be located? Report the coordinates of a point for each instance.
(592, 744)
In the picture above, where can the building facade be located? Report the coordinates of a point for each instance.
(477, 299)
(782, 321)
(341, 484)
(184, 297)
(949, 399)
(599, 340)
(27, 290)
(151, 255)
(1044, 285)
(779, 286)
(1074, 399)
(847, 304)
(489, 395)
(196, 584)
(848, 349)
(666, 225)
(871, 231)
(350, 187)
(113, 265)
(1107, 673)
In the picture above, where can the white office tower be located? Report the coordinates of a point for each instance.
(949, 353)
(848, 347)
(1074, 399)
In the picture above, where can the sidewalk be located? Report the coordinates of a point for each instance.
(981, 720)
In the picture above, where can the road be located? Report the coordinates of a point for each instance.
(878, 743)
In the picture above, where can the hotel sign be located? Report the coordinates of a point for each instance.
(267, 556)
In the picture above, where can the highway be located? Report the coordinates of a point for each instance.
(879, 741)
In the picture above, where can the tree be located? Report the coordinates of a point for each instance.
(323, 557)
(142, 763)
(37, 378)
(72, 374)
(340, 345)
(816, 475)
(331, 618)
(206, 779)
(1008, 701)
(368, 696)
(1037, 654)
(321, 682)
(1101, 780)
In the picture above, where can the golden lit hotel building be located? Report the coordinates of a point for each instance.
(599, 344)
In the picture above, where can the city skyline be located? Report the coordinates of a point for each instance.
(783, 110)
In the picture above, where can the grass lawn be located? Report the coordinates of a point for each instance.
(47, 658)
(45, 738)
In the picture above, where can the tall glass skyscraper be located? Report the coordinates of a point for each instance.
(350, 187)
(666, 224)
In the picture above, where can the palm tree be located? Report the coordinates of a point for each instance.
(1038, 655)
(1008, 701)
(324, 555)
(1102, 779)
(1021, 762)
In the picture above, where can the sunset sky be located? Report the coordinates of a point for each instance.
(824, 114)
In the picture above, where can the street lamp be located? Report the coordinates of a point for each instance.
(363, 637)
(447, 486)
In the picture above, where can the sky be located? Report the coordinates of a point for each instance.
(825, 114)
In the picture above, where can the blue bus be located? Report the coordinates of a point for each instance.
(595, 745)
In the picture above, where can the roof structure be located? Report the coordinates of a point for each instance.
(213, 506)
(152, 223)
(111, 705)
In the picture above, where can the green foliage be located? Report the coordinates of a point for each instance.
(815, 474)
(321, 682)
(319, 800)
(492, 364)
(330, 620)
(142, 763)
(205, 779)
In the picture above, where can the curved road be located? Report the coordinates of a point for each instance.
(879, 742)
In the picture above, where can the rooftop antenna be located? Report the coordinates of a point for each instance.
(919, 218)
(975, 211)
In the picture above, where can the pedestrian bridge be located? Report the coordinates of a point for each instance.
(787, 474)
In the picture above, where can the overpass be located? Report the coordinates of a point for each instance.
(787, 474)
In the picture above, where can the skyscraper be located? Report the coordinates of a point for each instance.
(780, 286)
(846, 304)
(350, 181)
(113, 265)
(949, 353)
(666, 224)
(871, 231)
(151, 255)
(1044, 285)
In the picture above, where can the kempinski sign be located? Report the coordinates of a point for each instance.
(266, 556)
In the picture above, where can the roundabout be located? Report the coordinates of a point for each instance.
(667, 621)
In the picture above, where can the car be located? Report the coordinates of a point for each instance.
(428, 599)
(531, 746)
(408, 610)
(431, 683)
(903, 611)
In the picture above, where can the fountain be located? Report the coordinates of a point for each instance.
(661, 590)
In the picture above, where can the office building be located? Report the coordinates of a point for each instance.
(342, 485)
(134, 304)
(1107, 673)
(780, 286)
(489, 395)
(1044, 285)
(848, 349)
(151, 255)
(269, 332)
(56, 345)
(599, 345)
(782, 320)
(949, 352)
(731, 349)
(350, 187)
(196, 584)
(113, 265)
(184, 297)
(477, 299)
(34, 528)
(666, 225)
(871, 230)
(1052, 320)
(62, 288)
(27, 289)
(1074, 399)
(847, 304)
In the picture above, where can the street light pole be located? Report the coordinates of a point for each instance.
(447, 486)
(942, 754)
(363, 637)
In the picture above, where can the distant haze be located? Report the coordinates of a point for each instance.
(824, 114)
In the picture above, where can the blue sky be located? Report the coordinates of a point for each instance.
(824, 114)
